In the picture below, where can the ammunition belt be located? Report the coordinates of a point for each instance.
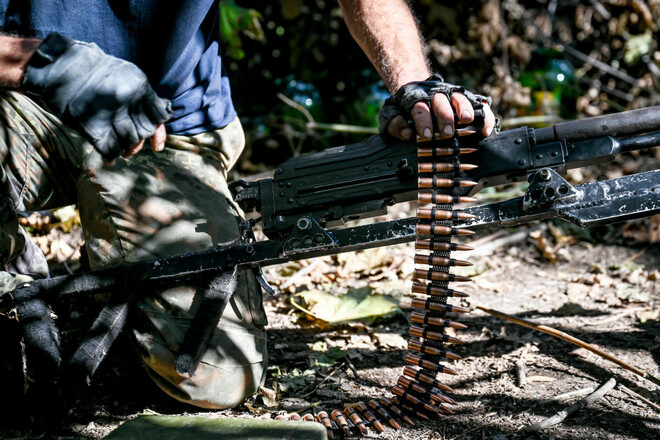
(419, 392)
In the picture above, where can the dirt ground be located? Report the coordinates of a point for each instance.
(605, 294)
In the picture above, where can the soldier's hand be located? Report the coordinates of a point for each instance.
(424, 101)
(108, 100)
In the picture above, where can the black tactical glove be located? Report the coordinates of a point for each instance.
(108, 100)
(402, 102)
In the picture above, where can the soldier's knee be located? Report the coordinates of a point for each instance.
(234, 361)
(214, 387)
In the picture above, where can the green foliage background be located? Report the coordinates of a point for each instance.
(303, 50)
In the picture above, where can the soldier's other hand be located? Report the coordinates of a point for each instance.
(449, 103)
(157, 141)
(108, 100)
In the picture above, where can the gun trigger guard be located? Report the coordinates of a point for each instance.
(261, 279)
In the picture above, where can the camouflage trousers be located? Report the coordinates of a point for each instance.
(150, 206)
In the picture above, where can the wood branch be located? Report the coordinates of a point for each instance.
(341, 128)
(573, 340)
(487, 245)
(639, 397)
(561, 415)
(566, 396)
(352, 367)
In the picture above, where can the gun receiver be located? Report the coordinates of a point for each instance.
(352, 182)
(334, 186)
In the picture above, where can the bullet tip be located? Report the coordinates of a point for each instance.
(456, 341)
(453, 356)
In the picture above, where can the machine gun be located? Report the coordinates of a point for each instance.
(310, 197)
(307, 206)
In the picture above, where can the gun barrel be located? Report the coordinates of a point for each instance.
(619, 124)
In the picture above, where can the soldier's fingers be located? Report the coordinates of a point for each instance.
(489, 120)
(399, 128)
(158, 138)
(421, 115)
(444, 114)
(134, 149)
(463, 107)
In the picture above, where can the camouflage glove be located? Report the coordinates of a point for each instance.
(402, 102)
(108, 100)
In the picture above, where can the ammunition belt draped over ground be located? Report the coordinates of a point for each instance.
(419, 392)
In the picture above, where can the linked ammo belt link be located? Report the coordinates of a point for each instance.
(418, 392)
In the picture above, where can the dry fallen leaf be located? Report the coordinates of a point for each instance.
(644, 231)
(540, 379)
(391, 340)
(544, 245)
(577, 291)
(367, 261)
(648, 315)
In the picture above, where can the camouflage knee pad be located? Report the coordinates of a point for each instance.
(170, 203)
(234, 364)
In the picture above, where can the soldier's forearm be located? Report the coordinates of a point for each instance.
(15, 53)
(388, 35)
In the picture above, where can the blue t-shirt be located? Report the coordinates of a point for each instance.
(175, 42)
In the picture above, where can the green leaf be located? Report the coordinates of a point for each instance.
(357, 304)
(295, 381)
(235, 20)
(637, 46)
(329, 357)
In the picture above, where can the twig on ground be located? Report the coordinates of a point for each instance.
(561, 415)
(566, 396)
(635, 256)
(325, 379)
(639, 397)
(302, 272)
(488, 238)
(490, 243)
(573, 340)
(614, 317)
(462, 434)
(521, 376)
(352, 368)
